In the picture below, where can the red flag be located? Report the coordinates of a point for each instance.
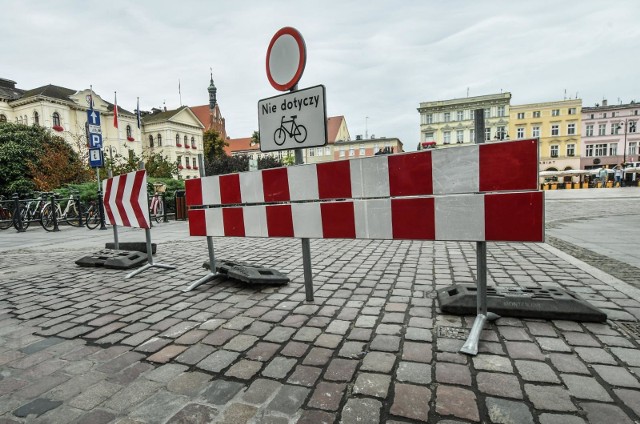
(115, 110)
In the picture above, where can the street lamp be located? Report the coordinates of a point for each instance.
(624, 152)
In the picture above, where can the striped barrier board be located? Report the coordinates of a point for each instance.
(484, 192)
(125, 200)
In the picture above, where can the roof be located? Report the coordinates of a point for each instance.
(239, 144)
(333, 126)
(8, 89)
(53, 91)
(161, 116)
(202, 113)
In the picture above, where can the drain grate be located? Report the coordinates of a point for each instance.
(452, 332)
(632, 329)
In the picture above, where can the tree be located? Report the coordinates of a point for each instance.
(57, 164)
(159, 166)
(255, 138)
(213, 145)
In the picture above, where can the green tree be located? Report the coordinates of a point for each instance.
(159, 166)
(255, 138)
(213, 145)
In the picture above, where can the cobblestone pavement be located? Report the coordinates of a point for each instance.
(82, 345)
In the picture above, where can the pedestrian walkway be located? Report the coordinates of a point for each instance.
(82, 345)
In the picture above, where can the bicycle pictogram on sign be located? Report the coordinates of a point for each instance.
(296, 131)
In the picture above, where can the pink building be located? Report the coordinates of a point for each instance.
(610, 135)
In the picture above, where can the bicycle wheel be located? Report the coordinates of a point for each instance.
(92, 218)
(300, 135)
(6, 218)
(159, 215)
(73, 217)
(46, 217)
(25, 216)
(279, 137)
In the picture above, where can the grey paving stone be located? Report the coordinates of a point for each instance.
(289, 399)
(41, 345)
(340, 369)
(419, 334)
(617, 376)
(417, 352)
(279, 334)
(97, 416)
(503, 411)
(131, 395)
(365, 411)
(238, 413)
(240, 343)
(244, 369)
(414, 372)
(452, 374)
(547, 418)
(36, 407)
(580, 339)
(159, 407)
(218, 360)
(189, 383)
(524, 350)
(605, 413)
(339, 327)
(279, 367)
(536, 372)
(568, 363)
(307, 334)
(376, 385)
(499, 384)
(260, 391)
(316, 417)
(194, 413)
(40, 386)
(553, 344)
(492, 363)
(582, 387)
(120, 362)
(95, 395)
(460, 403)
(385, 343)
(327, 396)
(330, 341)
(630, 357)
(318, 356)
(220, 392)
(593, 355)
(550, 398)
(379, 362)
(195, 354)
(631, 398)
(305, 376)
(165, 373)
(352, 350)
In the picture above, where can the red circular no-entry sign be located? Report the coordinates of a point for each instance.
(286, 58)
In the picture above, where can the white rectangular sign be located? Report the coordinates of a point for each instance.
(295, 120)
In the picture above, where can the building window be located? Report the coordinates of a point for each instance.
(3, 118)
(36, 118)
(179, 161)
(487, 134)
(128, 131)
(327, 150)
(318, 151)
(429, 118)
(632, 126)
(601, 150)
(520, 115)
(352, 150)
(589, 150)
(613, 149)
(592, 116)
(362, 151)
(159, 138)
(428, 136)
(615, 128)
(554, 151)
(535, 132)
(500, 110)
(589, 130)
(447, 137)
(536, 113)
(471, 117)
(602, 129)
(459, 136)
(186, 140)
(572, 111)
(555, 112)
(193, 142)
(311, 152)
(150, 141)
(633, 148)
(571, 149)
(460, 115)
(447, 117)
(520, 132)
(56, 119)
(487, 113)
(178, 140)
(603, 115)
(613, 114)
(195, 166)
(571, 129)
(472, 136)
(341, 152)
(501, 133)
(555, 130)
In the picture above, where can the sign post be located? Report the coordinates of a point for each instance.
(296, 120)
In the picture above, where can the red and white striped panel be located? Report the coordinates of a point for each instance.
(503, 166)
(125, 200)
(509, 216)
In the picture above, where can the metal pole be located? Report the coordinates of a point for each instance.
(100, 205)
(54, 215)
(624, 153)
(164, 209)
(115, 227)
(17, 216)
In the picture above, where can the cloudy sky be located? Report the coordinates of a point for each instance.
(377, 59)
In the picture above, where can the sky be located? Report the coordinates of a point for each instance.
(377, 59)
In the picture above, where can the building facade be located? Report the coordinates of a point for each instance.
(610, 135)
(448, 122)
(557, 125)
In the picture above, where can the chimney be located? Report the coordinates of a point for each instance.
(604, 102)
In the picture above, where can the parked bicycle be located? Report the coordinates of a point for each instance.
(31, 211)
(92, 216)
(295, 131)
(6, 213)
(71, 215)
(156, 210)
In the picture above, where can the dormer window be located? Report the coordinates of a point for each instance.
(56, 119)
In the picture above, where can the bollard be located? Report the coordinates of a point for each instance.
(17, 217)
(54, 215)
(79, 207)
(164, 209)
(101, 211)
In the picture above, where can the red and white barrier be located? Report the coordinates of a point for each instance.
(125, 200)
(508, 166)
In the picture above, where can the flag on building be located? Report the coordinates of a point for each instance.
(115, 110)
(138, 113)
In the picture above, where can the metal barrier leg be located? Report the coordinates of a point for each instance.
(308, 274)
(150, 263)
(54, 216)
(212, 267)
(470, 347)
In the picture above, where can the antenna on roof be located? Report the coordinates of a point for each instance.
(467, 91)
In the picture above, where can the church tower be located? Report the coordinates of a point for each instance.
(216, 121)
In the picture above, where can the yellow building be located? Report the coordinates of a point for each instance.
(557, 125)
